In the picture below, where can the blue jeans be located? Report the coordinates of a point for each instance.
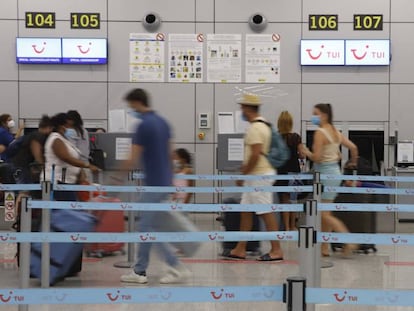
(153, 222)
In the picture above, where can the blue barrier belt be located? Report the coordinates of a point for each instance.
(366, 238)
(205, 208)
(141, 295)
(369, 190)
(237, 177)
(20, 187)
(373, 297)
(182, 189)
(146, 237)
(368, 178)
(362, 207)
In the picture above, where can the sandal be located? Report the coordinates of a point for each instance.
(267, 257)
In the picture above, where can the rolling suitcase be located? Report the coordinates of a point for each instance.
(359, 222)
(63, 256)
(108, 221)
(231, 222)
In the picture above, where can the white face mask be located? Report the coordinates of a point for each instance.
(177, 164)
(11, 124)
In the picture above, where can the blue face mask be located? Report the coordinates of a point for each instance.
(316, 120)
(135, 114)
(243, 117)
(70, 133)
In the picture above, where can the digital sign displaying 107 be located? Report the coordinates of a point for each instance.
(326, 22)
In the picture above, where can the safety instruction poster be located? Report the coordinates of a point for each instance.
(224, 58)
(263, 58)
(185, 57)
(147, 58)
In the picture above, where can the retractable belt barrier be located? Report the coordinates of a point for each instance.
(297, 293)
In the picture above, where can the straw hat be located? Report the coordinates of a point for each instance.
(250, 100)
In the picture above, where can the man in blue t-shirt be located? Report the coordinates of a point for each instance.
(151, 146)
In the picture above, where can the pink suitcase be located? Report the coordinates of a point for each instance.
(108, 221)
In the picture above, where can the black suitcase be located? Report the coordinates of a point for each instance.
(231, 222)
(357, 222)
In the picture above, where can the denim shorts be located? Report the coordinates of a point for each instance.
(329, 168)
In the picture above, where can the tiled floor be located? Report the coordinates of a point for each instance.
(364, 271)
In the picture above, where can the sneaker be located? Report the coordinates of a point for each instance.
(134, 278)
(175, 275)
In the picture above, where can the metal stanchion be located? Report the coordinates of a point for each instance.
(45, 272)
(317, 196)
(24, 253)
(307, 247)
(131, 228)
(308, 260)
(295, 294)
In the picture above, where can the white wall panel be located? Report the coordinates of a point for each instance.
(402, 64)
(289, 46)
(118, 35)
(401, 115)
(173, 101)
(274, 11)
(8, 9)
(9, 98)
(63, 8)
(8, 34)
(346, 9)
(204, 11)
(401, 11)
(133, 10)
(37, 98)
(350, 102)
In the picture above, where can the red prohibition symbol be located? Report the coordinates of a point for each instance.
(276, 37)
(160, 36)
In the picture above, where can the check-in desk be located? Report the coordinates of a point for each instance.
(404, 222)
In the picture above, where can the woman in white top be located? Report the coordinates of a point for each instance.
(77, 134)
(326, 156)
(66, 158)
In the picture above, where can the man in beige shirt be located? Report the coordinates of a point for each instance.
(257, 144)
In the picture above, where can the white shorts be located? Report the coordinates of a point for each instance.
(258, 197)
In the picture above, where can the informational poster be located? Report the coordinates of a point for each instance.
(263, 58)
(116, 118)
(224, 58)
(405, 152)
(185, 58)
(236, 149)
(146, 60)
(122, 148)
(225, 122)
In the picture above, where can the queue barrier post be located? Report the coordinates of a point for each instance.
(131, 228)
(24, 252)
(45, 257)
(295, 294)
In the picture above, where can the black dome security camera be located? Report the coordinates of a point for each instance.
(257, 22)
(151, 21)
